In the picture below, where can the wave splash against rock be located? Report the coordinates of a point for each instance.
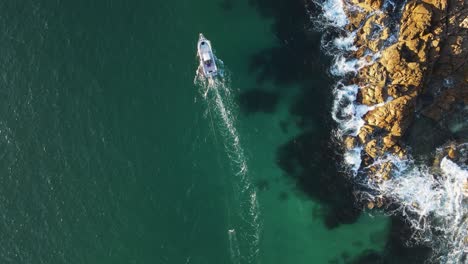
(401, 64)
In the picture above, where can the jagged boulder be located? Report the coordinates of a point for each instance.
(372, 34)
(431, 42)
(368, 5)
(416, 21)
(392, 117)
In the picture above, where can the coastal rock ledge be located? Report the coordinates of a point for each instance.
(415, 68)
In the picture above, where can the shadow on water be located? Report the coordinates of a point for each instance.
(298, 62)
(299, 52)
(227, 5)
(256, 100)
(395, 251)
(310, 158)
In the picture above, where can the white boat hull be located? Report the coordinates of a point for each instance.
(207, 59)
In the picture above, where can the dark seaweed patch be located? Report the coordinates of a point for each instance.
(283, 196)
(256, 100)
(262, 184)
(309, 160)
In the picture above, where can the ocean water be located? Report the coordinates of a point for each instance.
(111, 154)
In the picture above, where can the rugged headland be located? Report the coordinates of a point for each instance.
(401, 104)
(419, 72)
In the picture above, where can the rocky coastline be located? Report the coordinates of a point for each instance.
(416, 69)
(406, 102)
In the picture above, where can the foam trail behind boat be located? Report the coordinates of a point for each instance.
(244, 238)
(234, 250)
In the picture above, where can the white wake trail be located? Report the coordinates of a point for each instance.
(244, 234)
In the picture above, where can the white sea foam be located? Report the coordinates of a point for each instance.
(353, 159)
(333, 13)
(342, 66)
(349, 116)
(346, 112)
(234, 250)
(346, 43)
(344, 109)
(433, 203)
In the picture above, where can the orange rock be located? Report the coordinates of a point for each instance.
(365, 133)
(464, 23)
(389, 141)
(373, 149)
(380, 202)
(430, 43)
(350, 142)
(439, 4)
(368, 5)
(452, 153)
(391, 57)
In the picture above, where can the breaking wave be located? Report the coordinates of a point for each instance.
(245, 225)
(430, 199)
(433, 201)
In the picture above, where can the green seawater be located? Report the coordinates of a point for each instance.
(111, 154)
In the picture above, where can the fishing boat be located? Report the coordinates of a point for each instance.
(207, 58)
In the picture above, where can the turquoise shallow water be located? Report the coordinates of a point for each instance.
(108, 150)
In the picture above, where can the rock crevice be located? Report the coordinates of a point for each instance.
(420, 68)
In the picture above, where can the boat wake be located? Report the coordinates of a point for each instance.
(244, 234)
(431, 199)
(217, 94)
(234, 246)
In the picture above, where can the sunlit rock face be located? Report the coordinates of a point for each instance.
(408, 62)
(401, 105)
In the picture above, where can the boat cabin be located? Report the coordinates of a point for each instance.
(207, 59)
